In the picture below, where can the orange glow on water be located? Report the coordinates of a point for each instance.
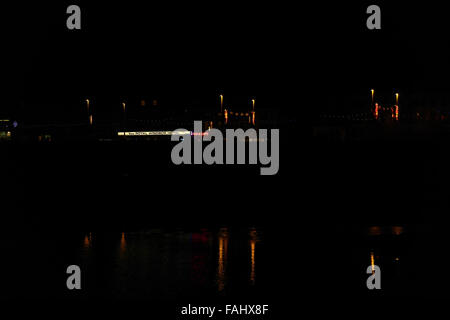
(397, 230)
(374, 231)
(222, 259)
(252, 272)
(253, 239)
(123, 243)
(372, 262)
(221, 267)
(87, 241)
(226, 116)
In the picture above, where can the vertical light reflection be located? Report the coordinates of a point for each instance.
(87, 242)
(252, 272)
(222, 259)
(86, 250)
(253, 240)
(372, 261)
(123, 244)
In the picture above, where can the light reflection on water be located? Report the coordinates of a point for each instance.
(87, 241)
(159, 263)
(385, 230)
(123, 243)
(222, 259)
(372, 261)
(253, 240)
(385, 245)
(222, 262)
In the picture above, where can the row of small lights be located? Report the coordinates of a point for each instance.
(242, 114)
(355, 116)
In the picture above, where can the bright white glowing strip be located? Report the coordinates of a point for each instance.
(153, 133)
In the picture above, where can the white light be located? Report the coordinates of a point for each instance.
(153, 133)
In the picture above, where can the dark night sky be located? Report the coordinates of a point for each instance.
(187, 52)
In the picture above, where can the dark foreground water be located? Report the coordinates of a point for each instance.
(160, 263)
(263, 265)
(142, 228)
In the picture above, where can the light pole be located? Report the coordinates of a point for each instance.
(253, 111)
(221, 103)
(124, 108)
(396, 106)
(88, 111)
(87, 107)
(372, 106)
